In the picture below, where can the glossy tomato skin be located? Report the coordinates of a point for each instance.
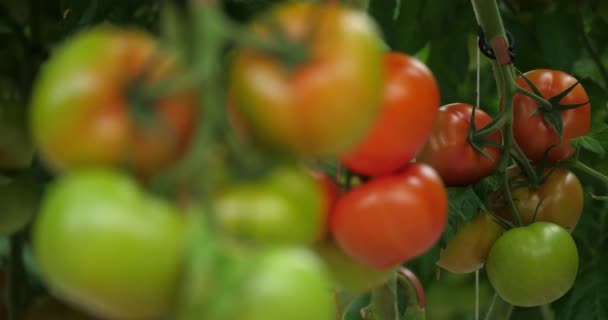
(18, 196)
(408, 111)
(559, 200)
(391, 219)
(347, 273)
(449, 152)
(533, 265)
(468, 250)
(287, 284)
(82, 113)
(327, 102)
(286, 206)
(104, 246)
(532, 133)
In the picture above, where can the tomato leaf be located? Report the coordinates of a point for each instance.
(588, 143)
(554, 120)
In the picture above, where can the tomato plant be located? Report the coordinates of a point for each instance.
(450, 152)
(559, 199)
(535, 128)
(285, 206)
(391, 219)
(287, 284)
(88, 108)
(533, 265)
(324, 103)
(93, 240)
(410, 93)
(468, 249)
(347, 273)
(18, 196)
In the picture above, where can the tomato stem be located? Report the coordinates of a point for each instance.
(415, 292)
(544, 102)
(574, 164)
(499, 309)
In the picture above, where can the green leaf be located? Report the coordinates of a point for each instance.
(588, 143)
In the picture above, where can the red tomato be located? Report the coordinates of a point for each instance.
(331, 193)
(449, 151)
(323, 104)
(533, 134)
(83, 113)
(393, 218)
(409, 108)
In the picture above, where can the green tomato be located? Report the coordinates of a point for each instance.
(347, 273)
(19, 200)
(533, 265)
(285, 206)
(287, 284)
(103, 245)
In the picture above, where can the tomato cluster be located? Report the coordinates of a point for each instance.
(264, 230)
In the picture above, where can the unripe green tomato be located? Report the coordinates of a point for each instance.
(18, 203)
(286, 206)
(288, 283)
(104, 246)
(533, 265)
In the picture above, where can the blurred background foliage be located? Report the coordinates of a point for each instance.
(557, 34)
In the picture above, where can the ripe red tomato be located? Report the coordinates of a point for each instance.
(103, 245)
(347, 273)
(324, 104)
(331, 194)
(533, 134)
(559, 200)
(408, 111)
(393, 218)
(286, 206)
(449, 152)
(84, 113)
(533, 265)
(468, 249)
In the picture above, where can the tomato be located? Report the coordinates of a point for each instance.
(285, 206)
(325, 103)
(533, 265)
(391, 219)
(103, 245)
(347, 273)
(287, 284)
(19, 200)
(468, 249)
(408, 111)
(48, 308)
(559, 200)
(331, 193)
(532, 133)
(16, 149)
(84, 112)
(449, 151)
